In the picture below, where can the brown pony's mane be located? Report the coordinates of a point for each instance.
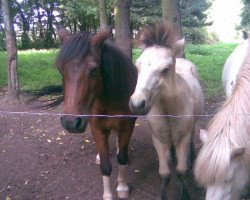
(161, 34)
(118, 72)
(228, 130)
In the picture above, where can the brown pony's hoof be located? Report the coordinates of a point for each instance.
(122, 191)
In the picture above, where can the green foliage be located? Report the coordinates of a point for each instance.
(193, 17)
(245, 15)
(79, 14)
(193, 13)
(197, 35)
(35, 20)
(2, 39)
(145, 12)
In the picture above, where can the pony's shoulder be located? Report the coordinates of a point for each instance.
(186, 68)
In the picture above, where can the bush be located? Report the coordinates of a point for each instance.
(199, 36)
(2, 42)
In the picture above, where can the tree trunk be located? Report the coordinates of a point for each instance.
(171, 14)
(13, 83)
(103, 14)
(122, 26)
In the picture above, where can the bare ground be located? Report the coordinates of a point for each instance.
(40, 161)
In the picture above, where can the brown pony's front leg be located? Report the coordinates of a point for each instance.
(122, 158)
(102, 145)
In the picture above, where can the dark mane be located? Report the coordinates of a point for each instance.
(118, 72)
(75, 48)
(160, 34)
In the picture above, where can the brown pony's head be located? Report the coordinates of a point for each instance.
(79, 64)
(92, 67)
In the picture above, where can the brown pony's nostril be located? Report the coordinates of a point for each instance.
(78, 123)
(74, 125)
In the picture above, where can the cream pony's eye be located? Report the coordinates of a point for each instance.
(165, 71)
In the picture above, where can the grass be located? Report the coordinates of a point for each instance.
(210, 60)
(35, 67)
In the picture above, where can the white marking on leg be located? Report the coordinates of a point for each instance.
(107, 195)
(117, 144)
(122, 188)
(97, 159)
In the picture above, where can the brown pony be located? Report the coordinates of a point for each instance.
(98, 80)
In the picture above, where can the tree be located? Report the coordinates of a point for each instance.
(122, 26)
(245, 15)
(171, 13)
(194, 20)
(103, 13)
(13, 83)
(144, 12)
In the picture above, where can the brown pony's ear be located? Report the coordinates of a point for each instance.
(63, 33)
(101, 36)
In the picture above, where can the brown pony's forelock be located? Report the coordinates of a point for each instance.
(160, 34)
(75, 48)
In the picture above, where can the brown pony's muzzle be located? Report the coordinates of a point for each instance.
(74, 124)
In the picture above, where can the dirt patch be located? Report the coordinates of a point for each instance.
(39, 160)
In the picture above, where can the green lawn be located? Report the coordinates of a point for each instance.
(210, 60)
(36, 67)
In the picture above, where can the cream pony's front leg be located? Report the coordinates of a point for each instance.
(163, 152)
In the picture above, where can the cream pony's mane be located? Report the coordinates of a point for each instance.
(228, 129)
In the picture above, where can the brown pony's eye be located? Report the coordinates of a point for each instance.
(94, 72)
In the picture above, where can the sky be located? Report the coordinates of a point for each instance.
(226, 17)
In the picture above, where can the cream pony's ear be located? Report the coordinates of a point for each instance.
(203, 135)
(237, 152)
(178, 46)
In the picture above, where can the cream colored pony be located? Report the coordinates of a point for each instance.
(223, 164)
(167, 85)
(232, 67)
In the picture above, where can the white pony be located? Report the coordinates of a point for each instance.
(167, 85)
(223, 163)
(232, 67)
